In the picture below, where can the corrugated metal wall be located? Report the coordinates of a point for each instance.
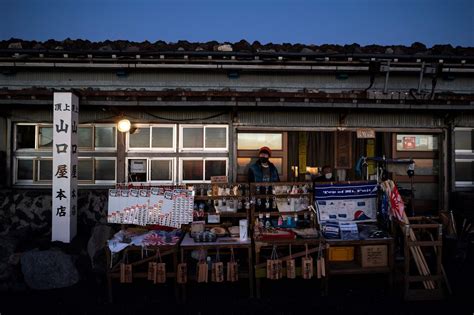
(136, 116)
(331, 119)
(203, 80)
(464, 120)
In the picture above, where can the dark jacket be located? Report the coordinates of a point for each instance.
(255, 174)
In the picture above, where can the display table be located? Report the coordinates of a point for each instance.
(224, 245)
(139, 258)
(355, 266)
(298, 250)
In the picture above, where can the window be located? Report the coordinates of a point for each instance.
(33, 153)
(464, 157)
(212, 138)
(25, 137)
(201, 169)
(417, 143)
(98, 170)
(160, 138)
(248, 143)
(155, 170)
(254, 141)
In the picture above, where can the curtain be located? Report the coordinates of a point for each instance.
(293, 143)
(320, 150)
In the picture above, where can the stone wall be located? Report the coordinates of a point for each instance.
(32, 209)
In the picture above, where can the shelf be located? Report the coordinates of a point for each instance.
(281, 195)
(352, 267)
(277, 213)
(228, 214)
(204, 198)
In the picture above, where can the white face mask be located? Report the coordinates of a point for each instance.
(328, 176)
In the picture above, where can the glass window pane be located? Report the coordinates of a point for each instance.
(464, 140)
(25, 169)
(192, 170)
(254, 141)
(417, 143)
(243, 164)
(422, 167)
(216, 138)
(162, 137)
(192, 138)
(104, 137)
(45, 170)
(162, 170)
(104, 170)
(137, 170)
(464, 171)
(84, 169)
(140, 138)
(215, 168)
(45, 137)
(85, 137)
(25, 137)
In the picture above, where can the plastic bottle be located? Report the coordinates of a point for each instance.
(268, 223)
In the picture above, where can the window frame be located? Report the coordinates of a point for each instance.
(204, 159)
(150, 148)
(462, 184)
(203, 149)
(15, 167)
(460, 151)
(173, 170)
(15, 136)
(104, 158)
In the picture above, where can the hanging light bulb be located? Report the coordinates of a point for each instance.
(124, 125)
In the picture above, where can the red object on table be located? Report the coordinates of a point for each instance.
(281, 234)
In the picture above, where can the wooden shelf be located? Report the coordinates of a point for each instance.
(204, 198)
(352, 267)
(281, 195)
(277, 213)
(228, 214)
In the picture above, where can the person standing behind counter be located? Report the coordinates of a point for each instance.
(325, 176)
(263, 170)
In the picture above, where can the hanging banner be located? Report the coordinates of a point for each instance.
(64, 211)
(346, 202)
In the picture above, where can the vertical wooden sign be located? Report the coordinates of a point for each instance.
(64, 211)
(343, 150)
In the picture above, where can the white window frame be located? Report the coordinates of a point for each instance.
(15, 165)
(38, 170)
(460, 151)
(203, 148)
(461, 184)
(173, 170)
(15, 136)
(102, 182)
(204, 159)
(103, 149)
(86, 182)
(150, 148)
(127, 162)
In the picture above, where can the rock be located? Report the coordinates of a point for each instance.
(14, 259)
(49, 269)
(225, 47)
(306, 50)
(16, 45)
(100, 235)
(389, 51)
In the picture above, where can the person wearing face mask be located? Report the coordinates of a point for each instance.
(263, 170)
(326, 175)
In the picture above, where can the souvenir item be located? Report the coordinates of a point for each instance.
(217, 270)
(290, 267)
(274, 266)
(307, 265)
(232, 268)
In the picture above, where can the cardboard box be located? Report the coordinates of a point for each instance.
(341, 253)
(374, 256)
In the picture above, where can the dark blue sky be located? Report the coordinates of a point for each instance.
(384, 22)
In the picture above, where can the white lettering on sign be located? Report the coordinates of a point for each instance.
(65, 122)
(365, 133)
